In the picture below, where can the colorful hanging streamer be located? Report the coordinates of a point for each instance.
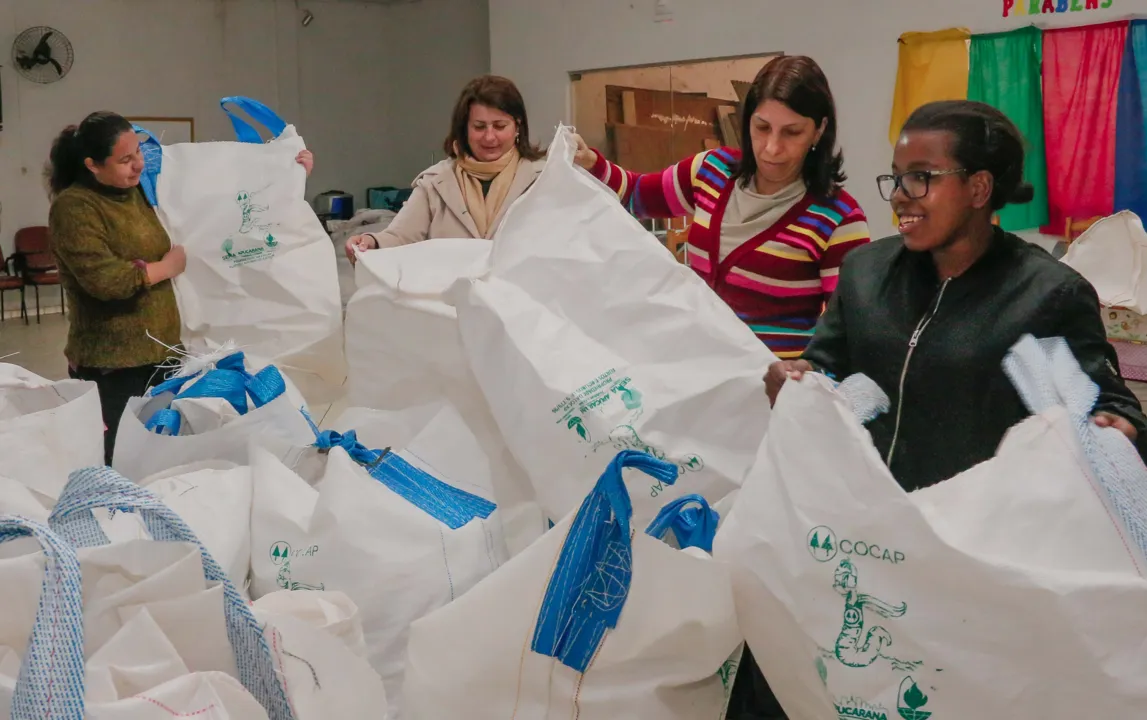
(1131, 126)
(1078, 95)
(1004, 72)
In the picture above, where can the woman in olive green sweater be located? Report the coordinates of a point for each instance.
(115, 262)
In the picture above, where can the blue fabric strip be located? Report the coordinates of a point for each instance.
(152, 164)
(818, 224)
(265, 385)
(1131, 125)
(235, 361)
(725, 156)
(718, 181)
(258, 112)
(165, 422)
(228, 380)
(590, 582)
(449, 505)
(230, 385)
(692, 521)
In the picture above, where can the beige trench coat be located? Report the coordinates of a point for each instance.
(436, 208)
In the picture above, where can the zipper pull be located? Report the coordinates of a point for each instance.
(915, 338)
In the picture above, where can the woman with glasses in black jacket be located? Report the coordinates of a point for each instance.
(930, 314)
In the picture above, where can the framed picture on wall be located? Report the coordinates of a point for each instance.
(168, 130)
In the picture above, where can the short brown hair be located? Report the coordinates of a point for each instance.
(799, 83)
(501, 94)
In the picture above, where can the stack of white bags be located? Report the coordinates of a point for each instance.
(555, 497)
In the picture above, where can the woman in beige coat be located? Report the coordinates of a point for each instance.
(490, 164)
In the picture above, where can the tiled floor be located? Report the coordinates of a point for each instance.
(40, 348)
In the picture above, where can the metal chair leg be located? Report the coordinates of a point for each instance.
(24, 304)
(37, 303)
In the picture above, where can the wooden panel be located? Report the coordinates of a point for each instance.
(687, 122)
(707, 77)
(652, 149)
(676, 238)
(674, 110)
(729, 122)
(741, 88)
(615, 100)
(628, 108)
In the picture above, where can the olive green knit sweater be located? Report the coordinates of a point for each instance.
(98, 235)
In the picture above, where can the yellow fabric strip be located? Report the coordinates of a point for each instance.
(933, 66)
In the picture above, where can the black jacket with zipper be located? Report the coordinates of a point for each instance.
(951, 401)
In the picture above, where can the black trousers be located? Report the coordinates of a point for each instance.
(116, 387)
(752, 699)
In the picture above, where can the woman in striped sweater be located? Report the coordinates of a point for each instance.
(770, 227)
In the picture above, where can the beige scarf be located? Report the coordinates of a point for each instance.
(470, 174)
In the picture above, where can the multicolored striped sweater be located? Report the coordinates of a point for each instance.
(778, 281)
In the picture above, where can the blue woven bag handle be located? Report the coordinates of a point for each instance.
(152, 164)
(692, 521)
(51, 681)
(228, 380)
(258, 112)
(1046, 374)
(451, 506)
(590, 582)
(104, 488)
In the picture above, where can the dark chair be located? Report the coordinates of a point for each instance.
(37, 264)
(10, 280)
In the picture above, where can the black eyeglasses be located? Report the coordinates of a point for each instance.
(915, 184)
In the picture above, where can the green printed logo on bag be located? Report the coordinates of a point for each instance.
(823, 545)
(593, 398)
(864, 642)
(254, 241)
(911, 700)
(281, 555)
(849, 708)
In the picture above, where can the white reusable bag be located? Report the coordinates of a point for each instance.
(404, 351)
(402, 341)
(213, 695)
(1112, 255)
(591, 621)
(143, 623)
(260, 267)
(324, 677)
(214, 499)
(397, 541)
(149, 439)
(136, 675)
(47, 430)
(140, 618)
(984, 596)
(332, 612)
(587, 337)
(72, 520)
